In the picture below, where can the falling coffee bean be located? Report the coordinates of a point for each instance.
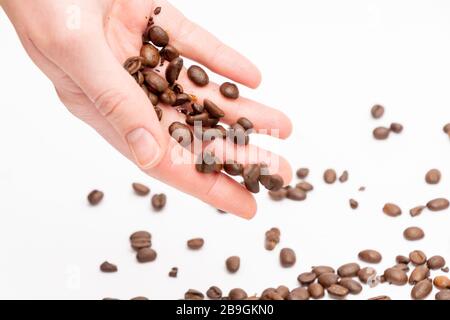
(173, 273)
(198, 76)
(433, 176)
(447, 129)
(146, 255)
(192, 294)
(436, 262)
(353, 204)
(140, 189)
(370, 256)
(377, 111)
(233, 264)
(381, 133)
(413, 234)
(396, 128)
(439, 204)
(344, 177)
(108, 267)
(95, 197)
(150, 55)
(392, 210)
(229, 90)
(158, 36)
(418, 257)
(414, 212)
(302, 173)
(329, 176)
(159, 201)
(305, 186)
(287, 257)
(182, 98)
(422, 290)
(214, 293)
(140, 240)
(272, 238)
(195, 244)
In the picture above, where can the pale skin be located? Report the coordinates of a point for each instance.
(85, 66)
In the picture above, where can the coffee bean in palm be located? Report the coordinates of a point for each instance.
(193, 294)
(150, 55)
(173, 273)
(133, 64)
(396, 276)
(197, 108)
(146, 255)
(353, 204)
(237, 294)
(95, 197)
(422, 290)
(173, 70)
(251, 175)
(139, 77)
(296, 194)
(155, 83)
(159, 113)
(287, 258)
(418, 257)
(416, 211)
(443, 295)
(319, 270)
(436, 262)
(168, 97)
(442, 282)
(170, 53)
(338, 291)
(381, 133)
(154, 99)
(305, 186)
(413, 234)
(181, 133)
(198, 76)
(233, 168)
(392, 210)
(214, 293)
(229, 90)
(328, 279)
(159, 201)
(370, 256)
(272, 182)
(238, 135)
(278, 195)
(140, 189)
(195, 244)
(233, 264)
(245, 123)
(299, 294)
(396, 127)
(433, 176)
(201, 118)
(366, 274)
(208, 163)
(353, 286)
(344, 177)
(418, 274)
(307, 278)
(329, 176)
(182, 98)
(438, 204)
(377, 111)
(108, 267)
(213, 110)
(302, 173)
(158, 36)
(348, 270)
(211, 122)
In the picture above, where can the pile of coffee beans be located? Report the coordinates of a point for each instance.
(382, 133)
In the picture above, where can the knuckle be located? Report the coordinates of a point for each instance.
(110, 104)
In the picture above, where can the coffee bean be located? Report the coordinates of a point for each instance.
(233, 264)
(157, 11)
(173, 70)
(173, 273)
(278, 195)
(95, 197)
(413, 234)
(392, 210)
(159, 201)
(353, 204)
(445, 269)
(229, 90)
(213, 110)
(168, 97)
(336, 290)
(377, 111)
(348, 270)
(133, 64)
(154, 99)
(272, 294)
(344, 177)
(251, 175)
(302, 173)
(140, 189)
(316, 290)
(353, 286)
(330, 176)
(381, 133)
(419, 273)
(108, 267)
(305, 186)
(442, 282)
(233, 168)
(238, 135)
(443, 295)
(447, 129)
(433, 176)
(438, 204)
(181, 133)
(140, 234)
(272, 182)
(155, 82)
(139, 77)
(182, 98)
(208, 163)
(169, 53)
(370, 256)
(287, 258)
(150, 55)
(299, 294)
(195, 244)
(193, 294)
(146, 255)
(396, 276)
(198, 118)
(367, 274)
(214, 293)
(197, 108)
(396, 127)
(139, 299)
(319, 270)
(328, 279)
(418, 257)
(272, 238)
(198, 76)
(436, 262)
(414, 212)
(402, 259)
(237, 294)
(296, 194)
(158, 36)
(159, 113)
(307, 278)
(245, 123)
(422, 290)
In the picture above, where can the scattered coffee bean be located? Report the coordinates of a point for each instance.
(370, 256)
(418, 274)
(245, 123)
(413, 234)
(299, 294)
(338, 291)
(396, 276)
(436, 262)
(305, 186)
(353, 286)
(392, 210)
(307, 278)
(95, 197)
(433, 176)
(198, 76)
(272, 238)
(381, 133)
(157, 11)
(418, 257)
(381, 298)
(353, 204)
(233, 264)
(159, 201)
(377, 111)
(229, 90)
(150, 55)
(108, 267)
(414, 212)
(192, 294)
(173, 70)
(396, 127)
(140, 189)
(302, 173)
(447, 129)
(344, 177)
(146, 255)
(251, 175)
(319, 270)
(173, 273)
(278, 195)
(348, 270)
(287, 258)
(237, 294)
(140, 240)
(195, 244)
(330, 176)
(443, 295)
(316, 290)
(296, 194)
(442, 282)
(422, 290)
(328, 279)
(170, 53)
(214, 293)
(158, 36)
(272, 182)
(402, 259)
(367, 274)
(438, 204)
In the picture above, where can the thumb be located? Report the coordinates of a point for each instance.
(119, 99)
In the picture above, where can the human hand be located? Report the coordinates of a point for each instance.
(81, 45)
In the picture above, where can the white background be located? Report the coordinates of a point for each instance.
(325, 63)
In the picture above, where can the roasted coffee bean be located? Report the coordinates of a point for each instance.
(287, 257)
(238, 135)
(414, 212)
(197, 108)
(272, 294)
(396, 276)
(443, 295)
(307, 278)
(433, 176)
(272, 182)
(296, 194)
(233, 168)
(336, 290)
(353, 286)
(181, 133)
(210, 134)
(198, 76)
(233, 264)
(392, 210)
(140, 189)
(348, 270)
(413, 234)
(193, 294)
(212, 122)
(251, 177)
(438, 204)
(305, 186)
(402, 259)
(381, 133)
(159, 201)
(344, 177)
(328, 279)
(199, 118)
(95, 197)
(139, 77)
(353, 204)
(158, 36)
(245, 123)
(445, 269)
(237, 294)
(319, 270)
(436, 262)
(316, 291)
(157, 11)
(381, 298)
(329, 176)
(419, 273)
(367, 274)
(168, 97)
(283, 291)
(182, 98)
(278, 195)
(442, 282)
(173, 273)
(370, 256)
(169, 53)
(302, 173)
(154, 99)
(108, 267)
(140, 235)
(214, 293)
(139, 299)
(173, 70)
(159, 112)
(377, 111)
(150, 55)
(213, 110)
(396, 127)
(146, 255)
(177, 88)
(155, 83)
(195, 244)
(272, 238)
(208, 163)
(418, 257)
(229, 90)
(299, 294)
(422, 290)
(447, 129)
(133, 64)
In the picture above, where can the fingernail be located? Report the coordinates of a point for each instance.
(144, 147)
